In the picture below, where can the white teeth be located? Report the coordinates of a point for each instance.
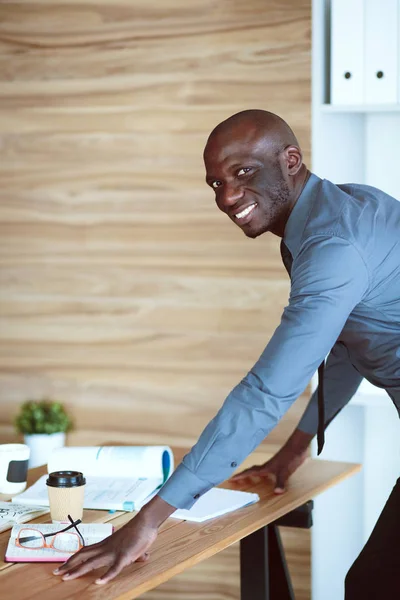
(245, 212)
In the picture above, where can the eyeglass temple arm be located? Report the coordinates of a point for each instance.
(73, 524)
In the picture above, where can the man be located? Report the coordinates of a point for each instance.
(341, 245)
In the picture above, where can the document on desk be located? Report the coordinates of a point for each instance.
(215, 503)
(117, 477)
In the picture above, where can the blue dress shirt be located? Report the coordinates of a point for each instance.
(344, 301)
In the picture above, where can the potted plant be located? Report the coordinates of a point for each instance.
(43, 424)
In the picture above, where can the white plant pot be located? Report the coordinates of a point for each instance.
(42, 445)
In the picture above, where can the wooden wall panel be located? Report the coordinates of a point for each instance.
(123, 291)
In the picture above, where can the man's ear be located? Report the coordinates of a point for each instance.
(293, 160)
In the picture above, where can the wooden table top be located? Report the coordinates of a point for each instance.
(180, 544)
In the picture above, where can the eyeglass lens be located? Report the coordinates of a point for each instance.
(67, 542)
(29, 540)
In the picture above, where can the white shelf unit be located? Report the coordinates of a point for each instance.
(357, 144)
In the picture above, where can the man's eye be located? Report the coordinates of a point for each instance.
(216, 184)
(243, 171)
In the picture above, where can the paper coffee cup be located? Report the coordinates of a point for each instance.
(66, 492)
(13, 468)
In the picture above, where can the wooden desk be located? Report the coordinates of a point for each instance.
(179, 546)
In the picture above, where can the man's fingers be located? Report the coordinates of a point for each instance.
(144, 557)
(239, 476)
(117, 567)
(251, 472)
(75, 560)
(95, 562)
(112, 572)
(77, 569)
(258, 473)
(280, 484)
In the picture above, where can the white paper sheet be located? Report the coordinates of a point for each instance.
(215, 503)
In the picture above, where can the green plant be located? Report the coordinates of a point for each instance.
(43, 416)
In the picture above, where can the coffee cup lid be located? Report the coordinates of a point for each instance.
(65, 479)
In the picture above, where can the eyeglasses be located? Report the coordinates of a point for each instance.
(32, 539)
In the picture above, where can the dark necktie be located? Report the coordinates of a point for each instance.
(287, 261)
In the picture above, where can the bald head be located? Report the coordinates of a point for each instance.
(254, 163)
(254, 126)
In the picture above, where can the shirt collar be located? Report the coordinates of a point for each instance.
(299, 216)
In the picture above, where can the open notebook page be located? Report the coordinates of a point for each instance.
(102, 493)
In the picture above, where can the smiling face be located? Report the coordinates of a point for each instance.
(246, 171)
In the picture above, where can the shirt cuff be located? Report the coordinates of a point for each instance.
(183, 488)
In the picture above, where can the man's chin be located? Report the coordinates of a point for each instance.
(253, 232)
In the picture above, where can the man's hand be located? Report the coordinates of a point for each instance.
(127, 545)
(281, 466)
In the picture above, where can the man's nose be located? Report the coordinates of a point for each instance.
(231, 195)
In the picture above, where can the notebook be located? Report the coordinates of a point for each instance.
(214, 503)
(117, 477)
(12, 513)
(91, 532)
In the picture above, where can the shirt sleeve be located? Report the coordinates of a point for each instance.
(341, 381)
(329, 278)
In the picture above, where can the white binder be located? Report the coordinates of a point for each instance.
(381, 51)
(347, 51)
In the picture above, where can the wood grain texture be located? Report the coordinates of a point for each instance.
(123, 291)
(180, 544)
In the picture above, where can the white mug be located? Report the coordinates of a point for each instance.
(13, 468)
